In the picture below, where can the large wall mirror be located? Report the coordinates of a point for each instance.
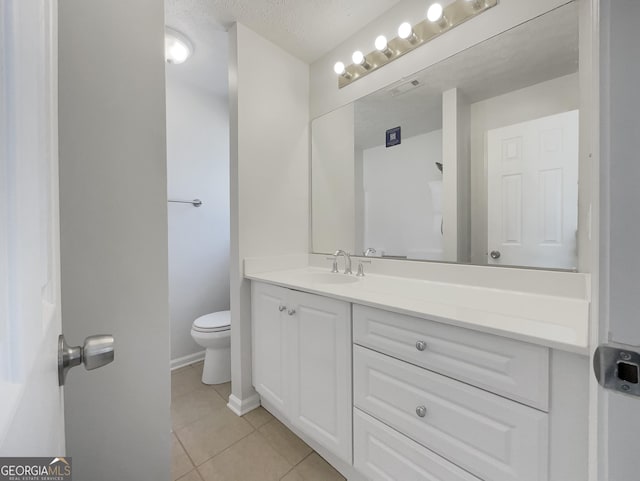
(473, 160)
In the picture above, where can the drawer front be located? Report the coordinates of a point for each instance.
(487, 435)
(383, 454)
(514, 369)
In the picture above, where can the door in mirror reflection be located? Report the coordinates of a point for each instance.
(532, 174)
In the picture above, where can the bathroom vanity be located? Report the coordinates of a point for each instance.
(404, 378)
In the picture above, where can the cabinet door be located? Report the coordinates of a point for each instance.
(320, 367)
(268, 331)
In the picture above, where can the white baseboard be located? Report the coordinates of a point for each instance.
(186, 360)
(243, 406)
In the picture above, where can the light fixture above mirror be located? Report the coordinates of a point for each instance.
(438, 20)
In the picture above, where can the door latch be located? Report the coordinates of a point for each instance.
(617, 368)
(96, 352)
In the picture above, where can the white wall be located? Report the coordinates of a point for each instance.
(325, 95)
(197, 167)
(113, 206)
(269, 132)
(400, 216)
(333, 181)
(540, 100)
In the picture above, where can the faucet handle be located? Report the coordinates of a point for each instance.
(361, 268)
(335, 263)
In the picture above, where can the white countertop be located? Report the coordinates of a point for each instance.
(553, 321)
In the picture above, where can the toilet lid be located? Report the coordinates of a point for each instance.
(216, 321)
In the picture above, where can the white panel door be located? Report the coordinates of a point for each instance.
(320, 370)
(532, 175)
(31, 403)
(268, 333)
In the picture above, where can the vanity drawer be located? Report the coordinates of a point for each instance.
(487, 435)
(382, 453)
(514, 369)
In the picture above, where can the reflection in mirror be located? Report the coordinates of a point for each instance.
(472, 160)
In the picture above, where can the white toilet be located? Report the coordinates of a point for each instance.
(213, 332)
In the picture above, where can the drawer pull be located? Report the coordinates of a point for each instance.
(421, 345)
(282, 308)
(291, 312)
(421, 411)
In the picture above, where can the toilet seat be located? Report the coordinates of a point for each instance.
(214, 322)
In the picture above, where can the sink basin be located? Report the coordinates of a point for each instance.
(332, 278)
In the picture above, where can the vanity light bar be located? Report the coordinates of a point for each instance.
(439, 21)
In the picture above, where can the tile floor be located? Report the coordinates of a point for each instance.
(210, 443)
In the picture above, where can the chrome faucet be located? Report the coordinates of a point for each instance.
(369, 252)
(347, 260)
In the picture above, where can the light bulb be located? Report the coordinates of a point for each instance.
(434, 13)
(340, 69)
(178, 53)
(381, 43)
(359, 59)
(382, 46)
(405, 30)
(177, 47)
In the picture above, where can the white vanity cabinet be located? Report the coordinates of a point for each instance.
(384, 395)
(302, 362)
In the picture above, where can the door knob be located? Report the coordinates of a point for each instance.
(495, 255)
(282, 308)
(421, 345)
(291, 312)
(421, 411)
(96, 352)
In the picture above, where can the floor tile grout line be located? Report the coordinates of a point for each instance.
(184, 476)
(228, 447)
(297, 464)
(190, 423)
(185, 452)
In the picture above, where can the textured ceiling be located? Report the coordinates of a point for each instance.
(539, 50)
(305, 28)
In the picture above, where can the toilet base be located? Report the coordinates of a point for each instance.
(217, 366)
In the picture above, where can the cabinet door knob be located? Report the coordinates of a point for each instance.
(421, 411)
(291, 312)
(282, 308)
(421, 345)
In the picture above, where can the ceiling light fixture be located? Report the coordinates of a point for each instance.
(438, 21)
(177, 47)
